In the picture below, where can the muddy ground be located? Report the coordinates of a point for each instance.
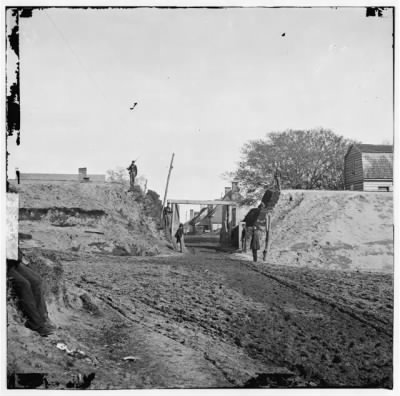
(208, 319)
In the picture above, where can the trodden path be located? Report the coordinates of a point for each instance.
(208, 320)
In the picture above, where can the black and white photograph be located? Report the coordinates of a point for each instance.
(199, 197)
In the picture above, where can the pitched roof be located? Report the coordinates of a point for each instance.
(377, 165)
(373, 148)
(216, 216)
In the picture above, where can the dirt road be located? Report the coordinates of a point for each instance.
(210, 320)
(207, 318)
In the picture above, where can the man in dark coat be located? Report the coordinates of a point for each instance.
(255, 243)
(27, 285)
(244, 238)
(179, 236)
(132, 174)
(167, 216)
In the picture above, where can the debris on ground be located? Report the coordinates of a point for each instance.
(130, 358)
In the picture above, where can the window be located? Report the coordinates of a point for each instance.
(383, 188)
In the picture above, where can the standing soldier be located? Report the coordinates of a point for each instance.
(255, 243)
(179, 237)
(244, 238)
(267, 234)
(132, 174)
(168, 216)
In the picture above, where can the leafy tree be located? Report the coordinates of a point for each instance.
(311, 159)
(153, 205)
(118, 175)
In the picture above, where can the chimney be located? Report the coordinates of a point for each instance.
(235, 186)
(235, 190)
(82, 174)
(227, 189)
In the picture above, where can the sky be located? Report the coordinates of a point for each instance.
(206, 81)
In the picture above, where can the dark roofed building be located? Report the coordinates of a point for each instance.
(81, 177)
(369, 167)
(375, 148)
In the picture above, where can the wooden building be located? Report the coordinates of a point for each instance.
(369, 167)
(81, 177)
(211, 217)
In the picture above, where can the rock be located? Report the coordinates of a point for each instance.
(88, 304)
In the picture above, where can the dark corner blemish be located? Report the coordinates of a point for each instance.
(374, 12)
(13, 98)
(13, 39)
(13, 110)
(13, 115)
(26, 12)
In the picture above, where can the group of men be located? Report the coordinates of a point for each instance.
(254, 241)
(27, 284)
(269, 200)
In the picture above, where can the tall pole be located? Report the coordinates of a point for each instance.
(166, 187)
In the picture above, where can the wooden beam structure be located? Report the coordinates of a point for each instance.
(166, 187)
(229, 220)
(201, 202)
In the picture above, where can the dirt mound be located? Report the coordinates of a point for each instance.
(333, 230)
(88, 217)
